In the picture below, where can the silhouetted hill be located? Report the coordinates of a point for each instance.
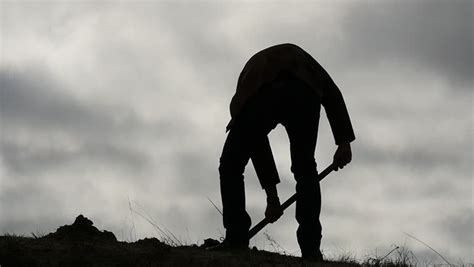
(82, 244)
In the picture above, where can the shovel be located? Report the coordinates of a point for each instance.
(259, 226)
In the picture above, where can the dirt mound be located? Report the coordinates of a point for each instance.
(82, 244)
(79, 244)
(81, 229)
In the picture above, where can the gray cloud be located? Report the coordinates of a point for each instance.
(434, 35)
(33, 103)
(23, 159)
(194, 172)
(32, 97)
(458, 225)
(417, 158)
(12, 199)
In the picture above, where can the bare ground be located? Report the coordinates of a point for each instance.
(82, 244)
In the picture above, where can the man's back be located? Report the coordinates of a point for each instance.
(266, 65)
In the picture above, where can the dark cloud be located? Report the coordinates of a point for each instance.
(434, 35)
(32, 101)
(24, 159)
(420, 159)
(32, 97)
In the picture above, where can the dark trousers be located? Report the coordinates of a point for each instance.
(290, 102)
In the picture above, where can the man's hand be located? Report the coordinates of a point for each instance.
(273, 211)
(343, 156)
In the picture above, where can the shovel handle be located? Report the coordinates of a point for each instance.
(259, 226)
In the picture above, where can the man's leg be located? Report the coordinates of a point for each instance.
(247, 138)
(302, 128)
(235, 156)
(308, 194)
(232, 165)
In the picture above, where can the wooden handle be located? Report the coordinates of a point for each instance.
(259, 226)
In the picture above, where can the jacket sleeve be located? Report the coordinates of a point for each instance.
(264, 163)
(336, 111)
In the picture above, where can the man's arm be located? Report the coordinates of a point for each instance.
(339, 120)
(267, 173)
(343, 156)
(273, 211)
(264, 163)
(333, 103)
(337, 114)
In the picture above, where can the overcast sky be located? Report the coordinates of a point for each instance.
(102, 102)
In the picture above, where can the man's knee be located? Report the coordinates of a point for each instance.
(304, 170)
(230, 168)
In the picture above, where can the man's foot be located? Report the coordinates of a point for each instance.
(228, 246)
(318, 257)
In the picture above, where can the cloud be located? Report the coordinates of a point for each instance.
(44, 127)
(420, 35)
(13, 210)
(458, 225)
(33, 97)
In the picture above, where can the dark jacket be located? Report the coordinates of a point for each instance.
(267, 64)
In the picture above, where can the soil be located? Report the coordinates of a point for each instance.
(82, 244)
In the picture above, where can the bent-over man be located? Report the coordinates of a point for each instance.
(285, 85)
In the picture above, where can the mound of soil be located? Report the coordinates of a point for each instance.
(82, 244)
(81, 230)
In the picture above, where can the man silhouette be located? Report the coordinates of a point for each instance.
(280, 84)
